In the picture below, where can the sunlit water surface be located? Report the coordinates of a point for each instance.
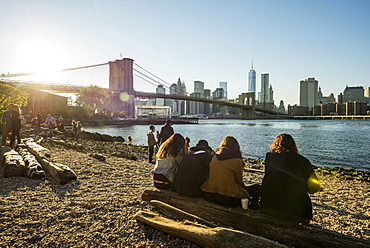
(324, 142)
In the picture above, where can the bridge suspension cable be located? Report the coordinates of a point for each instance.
(155, 80)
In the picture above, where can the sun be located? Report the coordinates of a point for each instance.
(41, 56)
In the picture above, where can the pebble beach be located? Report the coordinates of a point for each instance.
(97, 209)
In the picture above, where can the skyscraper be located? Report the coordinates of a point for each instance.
(308, 92)
(223, 85)
(265, 88)
(252, 80)
(162, 90)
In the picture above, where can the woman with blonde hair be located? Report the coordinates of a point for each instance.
(169, 156)
(225, 183)
(289, 177)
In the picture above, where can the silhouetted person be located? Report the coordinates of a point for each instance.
(7, 123)
(166, 132)
(16, 125)
(289, 177)
(151, 142)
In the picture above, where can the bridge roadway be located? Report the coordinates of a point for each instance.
(204, 100)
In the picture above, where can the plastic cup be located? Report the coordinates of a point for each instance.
(245, 202)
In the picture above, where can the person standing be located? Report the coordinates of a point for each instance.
(151, 142)
(16, 125)
(166, 132)
(289, 177)
(39, 121)
(7, 123)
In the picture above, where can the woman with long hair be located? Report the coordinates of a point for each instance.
(225, 184)
(289, 177)
(16, 125)
(169, 156)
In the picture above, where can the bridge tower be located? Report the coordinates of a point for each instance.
(121, 86)
(248, 99)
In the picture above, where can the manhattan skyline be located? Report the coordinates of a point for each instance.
(209, 41)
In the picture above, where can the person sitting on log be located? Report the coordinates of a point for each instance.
(289, 177)
(193, 170)
(169, 156)
(225, 184)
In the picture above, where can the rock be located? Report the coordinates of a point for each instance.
(97, 156)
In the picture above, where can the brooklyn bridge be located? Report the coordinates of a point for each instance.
(120, 85)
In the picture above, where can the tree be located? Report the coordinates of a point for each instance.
(10, 94)
(93, 97)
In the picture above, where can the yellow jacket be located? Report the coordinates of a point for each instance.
(226, 178)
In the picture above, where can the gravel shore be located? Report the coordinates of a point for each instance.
(97, 209)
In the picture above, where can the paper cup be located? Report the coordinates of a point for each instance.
(245, 202)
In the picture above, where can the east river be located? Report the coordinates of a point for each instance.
(324, 142)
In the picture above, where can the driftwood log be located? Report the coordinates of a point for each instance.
(254, 222)
(60, 172)
(203, 235)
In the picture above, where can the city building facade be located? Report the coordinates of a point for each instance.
(308, 92)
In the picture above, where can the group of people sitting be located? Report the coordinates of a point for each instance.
(217, 176)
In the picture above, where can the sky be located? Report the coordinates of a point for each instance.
(210, 40)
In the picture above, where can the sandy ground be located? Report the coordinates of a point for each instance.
(97, 210)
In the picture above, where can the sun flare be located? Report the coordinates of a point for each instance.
(41, 56)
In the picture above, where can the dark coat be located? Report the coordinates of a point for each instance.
(192, 173)
(285, 184)
(166, 132)
(16, 122)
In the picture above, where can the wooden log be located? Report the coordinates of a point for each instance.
(13, 164)
(254, 222)
(176, 213)
(204, 236)
(60, 172)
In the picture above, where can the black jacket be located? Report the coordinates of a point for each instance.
(166, 132)
(285, 184)
(193, 171)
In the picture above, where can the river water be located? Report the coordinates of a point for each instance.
(324, 142)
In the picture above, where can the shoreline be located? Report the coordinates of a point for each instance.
(97, 209)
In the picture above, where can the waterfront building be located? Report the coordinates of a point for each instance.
(351, 94)
(223, 85)
(264, 88)
(252, 80)
(340, 108)
(296, 110)
(308, 92)
(160, 101)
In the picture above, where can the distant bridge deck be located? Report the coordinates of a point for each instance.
(204, 100)
(333, 117)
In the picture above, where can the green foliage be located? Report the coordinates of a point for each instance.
(10, 94)
(93, 97)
